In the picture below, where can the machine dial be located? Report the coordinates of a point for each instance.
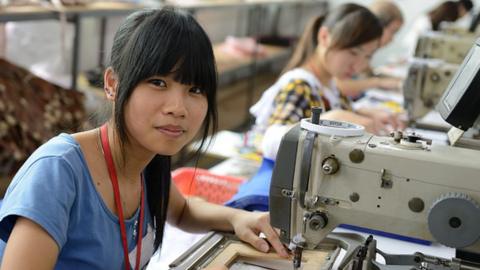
(453, 220)
(331, 127)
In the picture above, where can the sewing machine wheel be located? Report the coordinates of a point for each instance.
(332, 127)
(453, 220)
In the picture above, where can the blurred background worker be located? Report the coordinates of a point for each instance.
(448, 11)
(391, 18)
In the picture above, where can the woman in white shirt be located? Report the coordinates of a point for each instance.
(337, 45)
(391, 18)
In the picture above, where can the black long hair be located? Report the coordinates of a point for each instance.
(157, 43)
(448, 11)
(350, 25)
(445, 12)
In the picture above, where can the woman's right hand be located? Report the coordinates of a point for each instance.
(373, 126)
(377, 127)
(382, 122)
(249, 225)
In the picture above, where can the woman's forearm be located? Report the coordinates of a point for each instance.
(199, 215)
(350, 87)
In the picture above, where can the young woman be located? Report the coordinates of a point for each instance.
(99, 199)
(337, 45)
(391, 18)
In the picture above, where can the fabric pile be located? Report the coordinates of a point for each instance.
(32, 111)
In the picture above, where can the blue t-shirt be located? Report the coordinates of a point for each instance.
(54, 188)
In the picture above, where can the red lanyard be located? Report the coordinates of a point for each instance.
(116, 191)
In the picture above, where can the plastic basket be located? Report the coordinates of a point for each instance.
(202, 183)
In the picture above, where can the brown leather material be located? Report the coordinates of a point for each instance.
(32, 111)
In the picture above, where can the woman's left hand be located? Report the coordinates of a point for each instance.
(248, 226)
(384, 121)
(392, 120)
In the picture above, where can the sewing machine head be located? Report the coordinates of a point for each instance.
(452, 28)
(401, 184)
(426, 81)
(329, 173)
(450, 48)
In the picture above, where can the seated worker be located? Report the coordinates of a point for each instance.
(339, 44)
(99, 199)
(448, 11)
(391, 19)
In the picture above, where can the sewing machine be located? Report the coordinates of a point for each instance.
(329, 173)
(450, 48)
(455, 29)
(426, 81)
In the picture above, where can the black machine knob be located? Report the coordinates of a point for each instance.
(318, 220)
(330, 165)
(316, 111)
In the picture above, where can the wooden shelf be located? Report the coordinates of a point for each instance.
(26, 13)
(231, 68)
(205, 4)
(101, 9)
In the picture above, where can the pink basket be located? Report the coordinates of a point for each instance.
(202, 183)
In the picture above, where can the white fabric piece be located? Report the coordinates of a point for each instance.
(272, 138)
(174, 243)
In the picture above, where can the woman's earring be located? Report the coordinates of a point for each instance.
(108, 92)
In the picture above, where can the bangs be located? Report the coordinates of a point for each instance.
(182, 49)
